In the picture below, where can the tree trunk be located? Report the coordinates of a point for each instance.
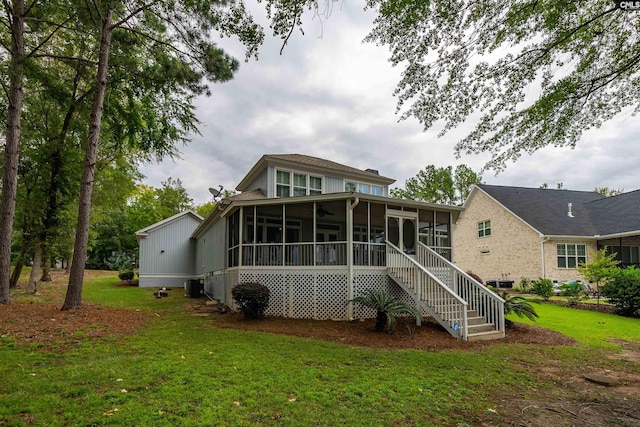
(17, 270)
(73, 298)
(46, 269)
(33, 277)
(381, 321)
(12, 145)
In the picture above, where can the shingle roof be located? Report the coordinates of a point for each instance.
(323, 163)
(547, 210)
(617, 214)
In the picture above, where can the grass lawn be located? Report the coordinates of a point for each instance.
(183, 370)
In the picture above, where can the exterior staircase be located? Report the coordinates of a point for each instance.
(464, 307)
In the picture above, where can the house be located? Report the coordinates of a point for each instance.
(318, 233)
(506, 233)
(167, 254)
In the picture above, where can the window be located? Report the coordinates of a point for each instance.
(361, 187)
(570, 255)
(484, 228)
(290, 184)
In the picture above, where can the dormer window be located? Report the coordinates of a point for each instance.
(291, 184)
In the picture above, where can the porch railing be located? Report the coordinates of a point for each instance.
(429, 292)
(486, 302)
(371, 254)
(294, 254)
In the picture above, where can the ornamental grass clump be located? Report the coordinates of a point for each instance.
(388, 308)
(252, 298)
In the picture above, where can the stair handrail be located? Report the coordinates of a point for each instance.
(462, 327)
(495, 316)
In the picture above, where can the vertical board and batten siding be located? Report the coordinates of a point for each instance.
(333, 184)
(167, 254)
(212, 249)
(260, 183)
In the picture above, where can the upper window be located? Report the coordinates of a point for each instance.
(484, 228)
(361, 187)
(290, 184)
(570, 255)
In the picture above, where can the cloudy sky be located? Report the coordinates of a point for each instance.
(330, 95)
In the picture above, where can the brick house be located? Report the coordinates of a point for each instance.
(506, 233)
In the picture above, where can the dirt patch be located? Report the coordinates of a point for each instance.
(429, 336)
(37, 319)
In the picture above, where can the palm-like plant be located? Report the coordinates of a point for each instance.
(387, 307)
(519, 306)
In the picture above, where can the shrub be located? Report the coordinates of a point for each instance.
(574, 291)
(121, 261)
(252, 298)
(525, 284)
(543, 288)
(126, 275)
(517, 305)
(387, 308)
(623, 290)
(516, 289)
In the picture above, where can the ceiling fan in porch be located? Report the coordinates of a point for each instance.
(322, 212)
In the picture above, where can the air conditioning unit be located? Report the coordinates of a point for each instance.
(194, 288)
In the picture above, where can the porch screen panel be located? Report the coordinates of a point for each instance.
(298, 236)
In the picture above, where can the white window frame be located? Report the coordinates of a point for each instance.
(293, 185)
(358, 187)
(577, 257)
(483, 227)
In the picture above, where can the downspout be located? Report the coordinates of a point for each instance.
(543, 266)
(350, 274)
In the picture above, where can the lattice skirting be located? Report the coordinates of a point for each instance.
(314, 294)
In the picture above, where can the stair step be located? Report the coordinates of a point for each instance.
(476, 320)
(486, 336)
(481, 327)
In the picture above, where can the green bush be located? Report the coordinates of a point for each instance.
(543, 288)
(126, 275)
(623, 290)
(525, 284)
(574, 291)
(519, 306)
(387, 308)
(252, 298)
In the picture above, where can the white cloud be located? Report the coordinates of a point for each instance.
(331, 97)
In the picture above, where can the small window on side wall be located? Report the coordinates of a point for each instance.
(484, 228)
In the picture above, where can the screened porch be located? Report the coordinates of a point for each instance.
(340, 232)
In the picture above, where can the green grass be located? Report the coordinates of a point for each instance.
(182, 370)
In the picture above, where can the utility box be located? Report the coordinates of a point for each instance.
(194, 288)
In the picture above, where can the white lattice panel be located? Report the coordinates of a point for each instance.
(364, 280)
(275, 281)
(302, 295)
(332, 294)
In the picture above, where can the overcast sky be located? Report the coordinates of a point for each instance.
(330, 95)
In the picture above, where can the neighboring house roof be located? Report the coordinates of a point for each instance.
(145, 231)
(547, 211)
(296, 161)
(617, 214)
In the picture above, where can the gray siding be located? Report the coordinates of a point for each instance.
(261, 183)
(212, 248)
(333, 185)
(167, 254)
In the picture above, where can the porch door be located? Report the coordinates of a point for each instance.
(402, 230)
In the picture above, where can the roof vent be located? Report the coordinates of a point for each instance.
(569, 213)
(373, 171)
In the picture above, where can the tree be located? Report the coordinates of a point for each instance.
(519, 306)
(602, 267)
(623, 290)
(439, 185)
(609, 192)
(537, 73)
(177, 33)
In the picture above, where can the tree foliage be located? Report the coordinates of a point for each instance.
(623, 290)
(531, 73)
(439, 185)
(609, 192)
(387, 308)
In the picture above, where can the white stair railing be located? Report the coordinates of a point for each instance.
(429, 292)
(485, 302)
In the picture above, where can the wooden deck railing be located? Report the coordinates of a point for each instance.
(486, 302)
(438, 299)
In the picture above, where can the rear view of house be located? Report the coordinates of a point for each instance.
(318, 233)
